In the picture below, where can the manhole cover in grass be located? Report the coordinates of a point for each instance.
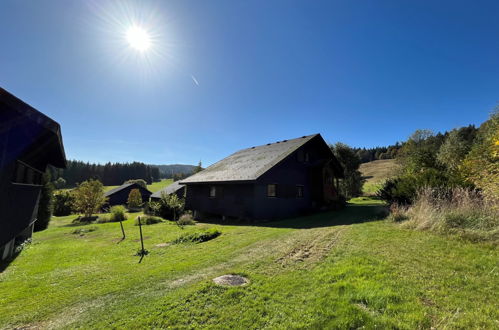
(231, 280)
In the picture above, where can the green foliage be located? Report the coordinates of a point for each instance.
(89, 197)
(198, 236)
(59, 183)
(63, 203)
(351, 185)
(140, 182)
(45, 204)
(118, 213)
(481, 165)
(186, 220)
(134, 199)
(170, 206)
(198, 168)
(152, 208)
(147, 220)
(456, 146)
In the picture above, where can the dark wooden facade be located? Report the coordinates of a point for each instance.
(302, 178)
(119, 195)
(29, 141)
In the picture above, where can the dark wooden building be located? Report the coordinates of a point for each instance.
(29, 141)
(119, 195)
(174, 188)
(281, 179)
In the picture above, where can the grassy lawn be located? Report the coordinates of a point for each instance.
(343, 269)
(375, 173)
(155, 186)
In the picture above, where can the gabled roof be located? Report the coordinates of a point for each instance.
(123, 186)
(249, 164)
(9, 102)
(170, 189)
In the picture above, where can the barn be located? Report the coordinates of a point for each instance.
(281, 179)
(119, 195)
(174, 188)
(29, 141)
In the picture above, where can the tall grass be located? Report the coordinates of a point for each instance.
(451, 211)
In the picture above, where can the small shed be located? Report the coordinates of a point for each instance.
(119, 195)
(174, 188)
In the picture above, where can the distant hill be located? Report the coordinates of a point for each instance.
(166, 171)
(376, 172)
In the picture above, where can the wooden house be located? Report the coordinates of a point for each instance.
(119, 195)
(281, 179)
(29, 141)
(174, 188)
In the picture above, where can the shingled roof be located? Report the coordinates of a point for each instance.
(249, 164)
(170, 189)
(123, 186)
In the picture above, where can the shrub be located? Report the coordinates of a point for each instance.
(44, 204)
(103, 218)
(140, 182)
(89, 197)
(63, 203)
(134, 199)
(118, 213)
(152, 208)
(198, 237)
(170, 206)
(186, 220)
(82, 231)
(460, 211)
(147, 220)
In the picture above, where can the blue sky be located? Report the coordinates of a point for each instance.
(225, 75)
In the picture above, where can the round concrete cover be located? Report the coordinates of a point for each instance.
(231, 280)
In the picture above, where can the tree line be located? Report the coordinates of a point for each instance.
(110, 174)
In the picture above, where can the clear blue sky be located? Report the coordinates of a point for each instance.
(225, 75)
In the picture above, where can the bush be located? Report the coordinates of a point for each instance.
(170, 206)
(460, 211)
(198, 237)
(89, 197)
(152, 208)
(134, 199)
(63, 203)
(140, 182)
(186, 220)
(118, 213)
(44, 204)
(147, 220)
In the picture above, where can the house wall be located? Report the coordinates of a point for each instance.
(234, 200)
(305, 167)
(121, 197)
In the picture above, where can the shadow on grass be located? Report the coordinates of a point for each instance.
(351, 214)
(5, 263)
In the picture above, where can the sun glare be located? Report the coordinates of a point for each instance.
(138, 38)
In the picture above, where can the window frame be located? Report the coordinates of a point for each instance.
(26, 175)
(300, 188)
(275, 190)
(212, 192)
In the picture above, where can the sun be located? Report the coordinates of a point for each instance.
(138, 38)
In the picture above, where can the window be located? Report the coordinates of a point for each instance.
(213, 191)
(299, 191)
(25, 174)
(272, 190)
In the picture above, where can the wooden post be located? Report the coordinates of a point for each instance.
(122, 230)
(141, 238)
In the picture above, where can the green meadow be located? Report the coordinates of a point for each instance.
(343, 269)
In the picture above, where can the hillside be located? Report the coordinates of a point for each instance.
(340, 269)
(169, 170)
(376, 172)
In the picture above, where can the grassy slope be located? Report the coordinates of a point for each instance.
(376, 172)
(155, 186)
(329, 270)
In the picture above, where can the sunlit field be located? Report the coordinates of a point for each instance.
(343, 269)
